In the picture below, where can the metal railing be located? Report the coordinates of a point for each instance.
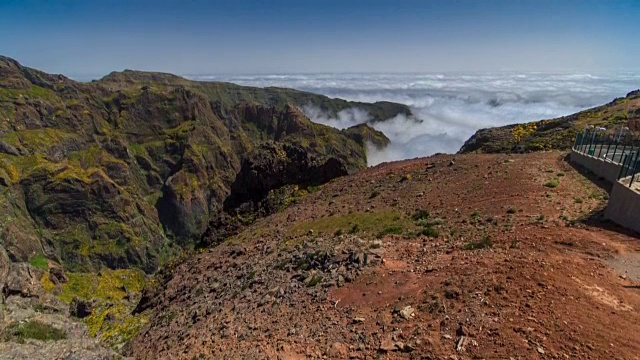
(621, 149)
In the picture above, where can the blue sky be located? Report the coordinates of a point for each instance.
(92, 38)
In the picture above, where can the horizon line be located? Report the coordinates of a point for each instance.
(88, 77)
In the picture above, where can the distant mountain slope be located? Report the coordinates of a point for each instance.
(556, 133)
(126, 170)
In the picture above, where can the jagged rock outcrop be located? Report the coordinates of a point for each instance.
(273, 166)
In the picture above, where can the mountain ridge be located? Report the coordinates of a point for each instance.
(109, 150)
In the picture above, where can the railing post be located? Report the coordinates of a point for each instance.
(601, 142)
(627, 164)
(624, 160)
(634, 169)
(580, 142)
(615, 151)
(585, 141)
(609, 140)
(632, 158)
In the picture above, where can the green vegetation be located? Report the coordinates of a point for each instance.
(420, 215)
(111, 319)
(523, 130)
(32, 329)
(379, 224)
(430, 232)
(315, 280)
(552, 183)
(360, 222)
(35, 92)
(394, 229)
(511, 210)
(425, 227)
(114, 324)
(38, 139)
(47, 284)
(39, 261)
(485, 242)
(110, 285)
(432, 304)
(578, 200)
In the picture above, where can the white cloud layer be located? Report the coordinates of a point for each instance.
(452, 106)
(344, 119)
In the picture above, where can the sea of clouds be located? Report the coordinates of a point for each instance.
(451, 106)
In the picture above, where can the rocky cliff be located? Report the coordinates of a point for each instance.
(127, 170)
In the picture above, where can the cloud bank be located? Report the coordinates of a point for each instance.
(452, 106)
(344, 119)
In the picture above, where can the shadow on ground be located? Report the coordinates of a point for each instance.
(599, 181)
(597, 218)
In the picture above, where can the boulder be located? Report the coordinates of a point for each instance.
(57, 275)
(23, 280)
(387, 345)
(407, 313)
(337, 350)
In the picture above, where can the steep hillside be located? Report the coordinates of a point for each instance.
(557, 134)
(465, 257)
(126, 170)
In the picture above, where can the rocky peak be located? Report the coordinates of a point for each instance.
(15, 75)
(136, 76)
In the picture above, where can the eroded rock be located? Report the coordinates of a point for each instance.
(23, 280)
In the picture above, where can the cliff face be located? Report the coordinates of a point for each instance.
(124, 171)
(554, 134)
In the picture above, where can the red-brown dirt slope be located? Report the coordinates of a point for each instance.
(479, 257)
